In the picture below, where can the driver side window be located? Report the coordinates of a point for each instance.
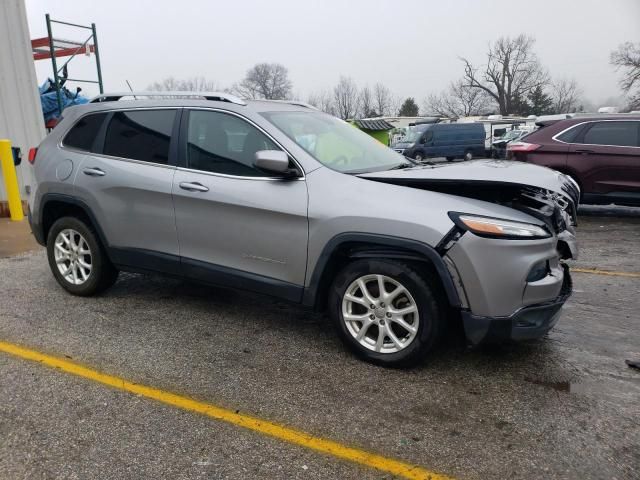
(223, 143)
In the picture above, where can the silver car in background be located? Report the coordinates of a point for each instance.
(281, 199)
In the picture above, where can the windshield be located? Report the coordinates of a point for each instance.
(413, 134)
(335, 143)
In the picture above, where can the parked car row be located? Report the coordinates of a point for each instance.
(600, 153)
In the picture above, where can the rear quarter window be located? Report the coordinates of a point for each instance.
(570, 135)
(83, 134)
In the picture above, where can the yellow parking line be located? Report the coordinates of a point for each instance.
(606, 272)
(264, 427)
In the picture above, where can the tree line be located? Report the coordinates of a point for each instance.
(510, 81)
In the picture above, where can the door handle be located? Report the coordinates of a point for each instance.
(584, 151)
(94, 172)
(193, 187)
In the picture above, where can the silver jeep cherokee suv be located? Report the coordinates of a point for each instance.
(281, 199)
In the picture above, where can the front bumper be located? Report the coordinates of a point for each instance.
(527, 323)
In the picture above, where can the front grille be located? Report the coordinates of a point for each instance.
(549, 206)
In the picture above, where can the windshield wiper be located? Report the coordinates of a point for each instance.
(409, 164)
(400, 166)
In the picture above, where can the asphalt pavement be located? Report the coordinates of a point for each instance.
(563, 407)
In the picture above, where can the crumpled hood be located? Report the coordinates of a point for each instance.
(539, 191)
(495, 172)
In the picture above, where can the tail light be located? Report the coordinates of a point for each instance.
(522, 147)
(32, 155)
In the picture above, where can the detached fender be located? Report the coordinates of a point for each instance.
(370, 245)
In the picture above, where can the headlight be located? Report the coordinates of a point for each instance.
(498, 227)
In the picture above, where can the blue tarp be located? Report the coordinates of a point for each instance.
(49, 99)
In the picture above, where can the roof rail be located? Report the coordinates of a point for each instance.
(290, 102)
(214, 96)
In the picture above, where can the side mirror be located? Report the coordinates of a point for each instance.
(274, 161)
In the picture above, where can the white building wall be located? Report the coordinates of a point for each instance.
(21, 118)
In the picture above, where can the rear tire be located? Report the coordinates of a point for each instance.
(468, 155)
(77, 259)
(399, 333)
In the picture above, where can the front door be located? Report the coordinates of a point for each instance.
(237, 226)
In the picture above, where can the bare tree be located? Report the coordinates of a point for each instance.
(345, 95)
(192, 84)
(366, 101)
(322, 100)
(381, 99)
(511, 72)
(627, 58)
(458, 101)
(566, 95)
(395, 103)
(265, 80)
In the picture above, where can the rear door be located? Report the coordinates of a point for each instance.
(127, 185)
(237, 225)
(607, 153)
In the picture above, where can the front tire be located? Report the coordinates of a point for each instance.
(386, 312)
(418, 157)
(77, 259)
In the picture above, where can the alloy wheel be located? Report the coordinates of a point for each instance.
(380, 313)
(73, 256)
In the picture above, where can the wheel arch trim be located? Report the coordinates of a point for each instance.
(383, 246)
(63, 198)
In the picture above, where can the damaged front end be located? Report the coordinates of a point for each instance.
(559, 213)
(513, 293)
(548, 195)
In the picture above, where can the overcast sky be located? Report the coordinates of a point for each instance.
(412, 46)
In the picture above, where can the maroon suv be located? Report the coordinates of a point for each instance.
(601, 153)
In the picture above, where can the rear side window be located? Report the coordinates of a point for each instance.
(83, 134)
(624, 134)
(222, 143)
(140, 135)
(570, 135)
